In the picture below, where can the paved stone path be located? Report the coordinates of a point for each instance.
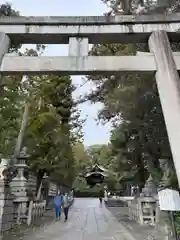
(87, 221)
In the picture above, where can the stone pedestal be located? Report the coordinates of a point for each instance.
(147, 206)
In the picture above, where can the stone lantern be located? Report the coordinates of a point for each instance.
(4, 177)
(166, 173)
(149, 189)
(19, 185)
(4, 165)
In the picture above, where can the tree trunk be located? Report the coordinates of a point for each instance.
(20, 137)
(140, 164)
(154, 168)
(140, 169)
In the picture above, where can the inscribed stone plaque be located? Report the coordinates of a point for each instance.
(169, 200)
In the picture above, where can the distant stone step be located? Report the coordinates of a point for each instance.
(115, 203)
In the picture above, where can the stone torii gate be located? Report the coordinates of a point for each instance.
(78, 32)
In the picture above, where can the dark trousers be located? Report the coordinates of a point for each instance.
(66, 210)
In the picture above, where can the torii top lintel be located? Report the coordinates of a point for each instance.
(91, 20)
(97, 29)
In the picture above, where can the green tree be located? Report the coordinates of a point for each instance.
(81, 157)
(99, 154)
(54, 124)
(11, 100)
(131, 102)
(51, 131)
(141, 6)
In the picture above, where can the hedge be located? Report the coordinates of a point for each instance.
(88, 194)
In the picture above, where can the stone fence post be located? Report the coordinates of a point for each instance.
(35, 211)
(6, 199)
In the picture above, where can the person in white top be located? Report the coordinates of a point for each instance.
(66, 206)
(105, 196)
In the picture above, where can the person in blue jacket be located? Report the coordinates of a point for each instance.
(58, 200)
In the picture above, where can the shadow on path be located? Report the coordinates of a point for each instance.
(139, 232)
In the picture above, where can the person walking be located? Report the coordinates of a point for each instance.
(100, 200)
(66, 206)
(100, 197)
(58, 200)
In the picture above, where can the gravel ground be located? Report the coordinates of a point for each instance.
(19, 231)
(139, 232)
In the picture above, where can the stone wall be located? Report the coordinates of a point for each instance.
(7, 212)
(6, 207)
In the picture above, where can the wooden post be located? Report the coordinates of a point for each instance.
(140, 211)
(168, 83)
(39, 191)
(29, 219)
(171, 214)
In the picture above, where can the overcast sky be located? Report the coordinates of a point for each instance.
(93, 133)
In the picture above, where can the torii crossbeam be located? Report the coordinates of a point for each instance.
(78, 32)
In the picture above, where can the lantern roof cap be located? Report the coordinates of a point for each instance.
(98, 168)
